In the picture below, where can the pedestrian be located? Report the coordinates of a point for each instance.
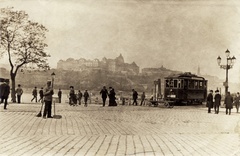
(79, 97)
(134, 96)
(19, 92)
(112, 98)
(71, 95)
(104, 94)
(229, 103)
(34, 93)
(237, 101)
(143, 99)
(5, 91)
(210, 101)
(86, 96)
(59, 95)
(2, 81)
(217, 103)
(41, 95)
(48, 92)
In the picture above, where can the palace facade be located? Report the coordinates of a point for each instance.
(113, 65)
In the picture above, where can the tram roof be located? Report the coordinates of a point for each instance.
(186, 75)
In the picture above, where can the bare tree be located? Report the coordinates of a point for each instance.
(23, 41)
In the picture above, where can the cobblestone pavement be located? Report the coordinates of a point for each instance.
(121, 130)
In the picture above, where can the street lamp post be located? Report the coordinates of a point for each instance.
(229, 65)
(55, 116)
(53, 77)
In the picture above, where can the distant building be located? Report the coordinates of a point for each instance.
(113, 65)
(152, 71)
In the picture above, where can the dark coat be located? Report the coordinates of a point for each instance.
(41, 93)
(71, 92)
(104, 93)
(112, 98)
(135, 95)
(59, 93)
(229, 102)
(210, 100)
(34, 92)
(5, 90)
(86, 95)
(79, 95)
(217, 99)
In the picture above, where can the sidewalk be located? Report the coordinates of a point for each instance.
(121, 130)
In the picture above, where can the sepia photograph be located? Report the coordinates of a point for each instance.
(119, 77)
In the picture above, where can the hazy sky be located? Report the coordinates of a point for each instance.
(178, 34)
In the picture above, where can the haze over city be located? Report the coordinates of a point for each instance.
(180, 35)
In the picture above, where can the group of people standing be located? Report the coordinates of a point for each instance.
(215, 102)
(75, 99)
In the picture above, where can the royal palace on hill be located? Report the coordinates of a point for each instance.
(113, 65)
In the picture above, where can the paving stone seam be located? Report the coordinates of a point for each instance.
(12, 128)
(18, 148)
(46, 144)
(82, 145)
(91, 145)
(108, 147)
(53, 145)
(100, 145)
(64, 143)
(15, 144)
(149, 142)
(32, 126)
(26, 123)
(166, 145)
(37, 144)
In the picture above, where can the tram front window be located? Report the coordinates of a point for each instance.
(175, 84)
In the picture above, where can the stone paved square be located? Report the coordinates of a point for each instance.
(121, 130)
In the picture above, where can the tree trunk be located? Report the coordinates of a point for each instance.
(13, 92)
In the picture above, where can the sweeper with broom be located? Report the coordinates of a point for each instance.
(48, 92)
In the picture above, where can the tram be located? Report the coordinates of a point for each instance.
(185, 88)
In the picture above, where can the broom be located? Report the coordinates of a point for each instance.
(40, 113)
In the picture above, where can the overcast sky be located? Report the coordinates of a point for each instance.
(178, 34)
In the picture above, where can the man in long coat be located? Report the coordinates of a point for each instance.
(48, 93)
(217, 103)
(229, 103)
(135, 96)
(5, 91)
(85, 96)
(210, 101)
(104, 94)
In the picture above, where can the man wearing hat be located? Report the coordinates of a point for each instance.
(48, 92)
(217, 99)
(210, 101)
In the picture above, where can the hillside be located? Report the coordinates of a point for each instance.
(95, 79)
